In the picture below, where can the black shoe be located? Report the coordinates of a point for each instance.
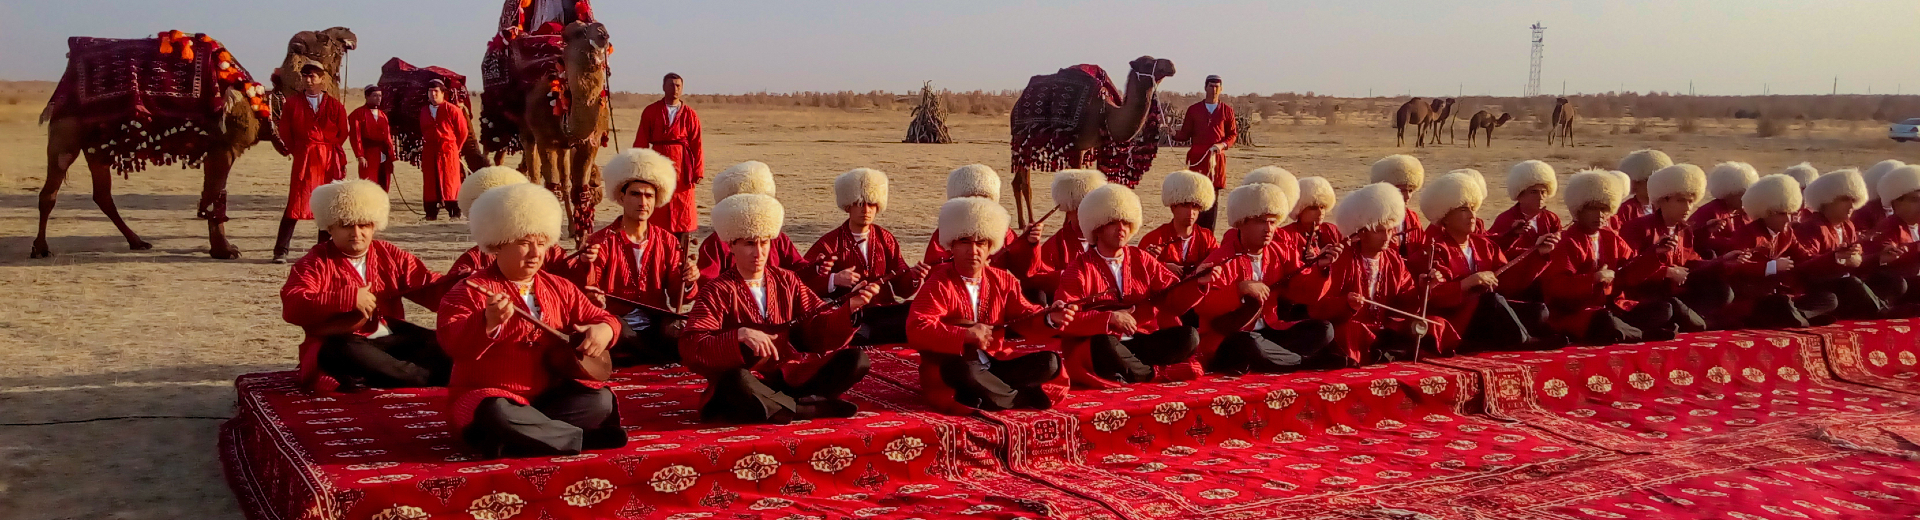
(826, 408)
(1115, 362)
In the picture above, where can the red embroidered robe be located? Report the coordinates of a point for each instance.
(1205, 129)
(1388, 282)
(1510, 233)
(1280, 270)
(1141, 276)
(943, 300)
(1869, 216)
(1749, 279)
(881, 259)
(323, 285)
(1016, 257)
(650, 276)
(1892, 229)
(679, 140)
(1055, 253)
(1184, 253)
(1450, 266)
(441, 137)
(314, 138)
(1568, 284)
(1821, 239)
(509, 362)
(372, 141)
(1631, 209)
(1716, 242)
(709, 344)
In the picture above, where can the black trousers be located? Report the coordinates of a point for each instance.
(1782, 311)
(1272, 351)
(568, 418)
(998, 384)
(648, 345)
(881, 325)
(409, 357)
(1891, 287)
(741, 397)
(1132, 360)
(1857, 300)
(1652, 320)
(1209, 216)
(1500, 324)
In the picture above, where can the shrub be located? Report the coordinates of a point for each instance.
(1767, 126)
(1688, 125)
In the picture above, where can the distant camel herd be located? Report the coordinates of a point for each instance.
(1437, 115)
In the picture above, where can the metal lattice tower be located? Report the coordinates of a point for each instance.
(1533, 69)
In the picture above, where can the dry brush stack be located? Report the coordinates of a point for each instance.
(929, 120)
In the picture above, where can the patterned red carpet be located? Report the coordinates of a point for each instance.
(1821, 423)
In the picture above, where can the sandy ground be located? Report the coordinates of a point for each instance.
(100, 331)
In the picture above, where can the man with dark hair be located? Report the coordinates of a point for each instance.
(372, 139)
(1210, 127)
(443, 130)
(313, 126)
(670, 127)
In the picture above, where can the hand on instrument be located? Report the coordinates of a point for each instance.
(1666, 245)
(1062, 313)
(1480, 279)
(1891, 253)
(920, 272)
(1677, 275)
(598, 296)
(1206, 271)
(600, 337)
(1356, 302)
(863, 294)
(1122, 323)
(689, 274)
(845, 278)
(499, 308)
(1603, 277)
(365, 302)
(1032, 236)
(1716, 225)
(590, 254)
(1254, 289)
(1734, 257)
(825, 264)
(978, 335)
(759, 342)
(1328, 255)
(1782, 264)
(1546, 244)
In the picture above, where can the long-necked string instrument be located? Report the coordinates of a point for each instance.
(1402, 313)
(687, 258)
(1426, 294)
(1036, 222)
(569, 362)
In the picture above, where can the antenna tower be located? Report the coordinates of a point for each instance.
(1533, 67)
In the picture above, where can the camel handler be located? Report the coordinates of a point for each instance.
(443, 131)
(1591, 266)
(1181, 244)
(959, 320)
(345, 293)
(372, 139)
(1765, 288)
(1247, 321)
(772, 351)
(1210, 129)
(1131, 332)
(747, 177)
(1639, 166)
(313, 126)
(1366, 271)
(1893, 255)
(1309, 227)
(670, 127)
(476, 258)
(636, 261)
(1714, 222)
(1836, 246)
(1530, 184)
(1405, 174)
(506, 400)
(1016, 255)
(1868, 217)
(1069, 187)
(1694, 286)
(1475, 278)
(860, 250)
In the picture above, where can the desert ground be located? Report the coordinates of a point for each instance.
(98, 331)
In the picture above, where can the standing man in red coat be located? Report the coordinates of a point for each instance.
(671, 127)
(1211, 129)
(443, 130)
(313, 126)
(372, 139)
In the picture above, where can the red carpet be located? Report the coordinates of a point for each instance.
(1883, 354)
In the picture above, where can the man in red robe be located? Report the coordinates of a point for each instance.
(1474, 276)
(861, 251)
(1017, 254)
(313, 126)
(1714, 222)
(372, 139)
(1893, 255)
(1069, 186)
(443, 130)
(771, 350)
(477, 259)
(1129, 329)
(1405, 174)
(1765, 293)
(1309, 228)
(715, 254)
(1367, 277)
(1693, 286)
(1586, 279)
(1181, 244)
(670, 127)
(1835, 246)
(1248, 321)
(637, 262)
(345, 293)
(959, 320)
(1531, 184)
(1210, 129)
(1639, 166)
(506, 399)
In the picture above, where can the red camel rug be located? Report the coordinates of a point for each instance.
(1883, 354)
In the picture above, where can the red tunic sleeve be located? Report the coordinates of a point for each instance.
(312, 294)
(696, 170)
(650, 119)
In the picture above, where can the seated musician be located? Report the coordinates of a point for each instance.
(510, 398)
(1479, 184)
(1893, 255)
(638, 271)
(1530, 184)
(1473, 274)
(771, 349)
(1180, 244)
(1835, 247)
(747, 177)
(1405, 174)
(1243, 318)
(1713, 223)
(1128, 325)
(1695, 287)
(1868, 217)
(1309, 227)
(1367, 293)
(1639, 166)
(1591, 265)
(477, 258)
(861, 251)
(345, 293)
(1069, 187)
(977, 180)
(1280, 178)
(1766, 292)
(959, 320)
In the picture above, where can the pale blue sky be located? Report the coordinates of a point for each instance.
(1340, 48)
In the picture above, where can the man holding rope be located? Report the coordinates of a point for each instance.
(1211, 129)
(670, 127)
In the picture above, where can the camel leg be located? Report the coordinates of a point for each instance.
(1400, 135)
(1420, 136)
(1470, 131)
(103, 197)
(59, 158)
(219, 165)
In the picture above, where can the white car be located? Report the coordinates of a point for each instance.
(1908, 130)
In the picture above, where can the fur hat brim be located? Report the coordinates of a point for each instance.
(1256, 200)
(1641, 164)
(974, 180)
(1527, 174)
(1315, 192)
(1803, 173)
(1069, 186)
(1835, 185)
(1449, 192)
(1276, 176)
(1873, 175)
(1377, 205)
(350, 202)
(1107, 204)
(1677, 179)
(510, 212)
(748, 216)
(642, 165)
(1186, 187)
(860, 186)
(1775, 193)
(1592, 187)
(1730, 178)
(1898, 183)
(486, 179)
(973, 217)
(746, 177)
(1399, 170)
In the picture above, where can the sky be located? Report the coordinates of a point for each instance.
(1382, 47)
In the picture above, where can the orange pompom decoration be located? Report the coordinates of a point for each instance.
(525, 3)
(186, 52)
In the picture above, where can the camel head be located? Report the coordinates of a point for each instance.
(587, 46)
(325, 48)
(1158, 69)
(1437, 104)
(1559, 101)
(1502, 120)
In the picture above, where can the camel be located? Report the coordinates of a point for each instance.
(242, 119)
(1564, 114)
(560, 148)
(1417, 112)
(326, 48)
(1443, 118)
(1100, 124)
(1484, 120)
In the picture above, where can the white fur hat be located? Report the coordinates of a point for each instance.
(1625, 183)
(1833, 185)
(1109, 203)
(1730, 178)
(1593, 186)
(1874, 173)
(1314, 192)
(1186, 187)
(1804, 173)
(1773, 193)
(746, 177)
(973, 217)
(1641, 164)
(1897, 183)
(640, 164)
(1374, 205)
(486, 179)
(974, 180)
(1479, 181)
(1069, 186)
(748, 215)
(1398, 170)
(860, 186)
(1527, 174)
(1274, 175)
(1676, 179)
(1454, 190)
(351, 201)
(507, 213)
(1255, 200)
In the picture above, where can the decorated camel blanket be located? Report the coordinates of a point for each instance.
(1046, 119)
(150, 101)
(406, 87)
